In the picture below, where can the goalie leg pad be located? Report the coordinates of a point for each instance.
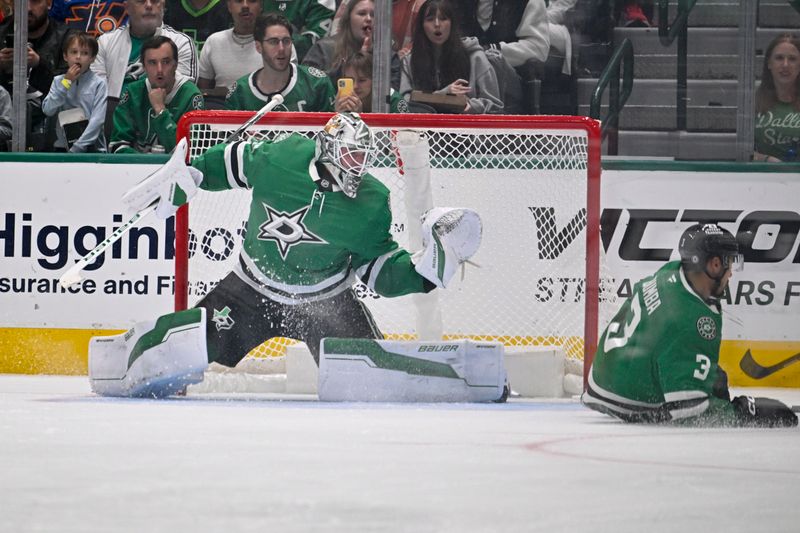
(365, 370)
(450, 236)
(155, 358)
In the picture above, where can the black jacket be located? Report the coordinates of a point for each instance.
(506, 16)
(51, 57)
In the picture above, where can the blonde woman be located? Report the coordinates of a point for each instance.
(354, 34)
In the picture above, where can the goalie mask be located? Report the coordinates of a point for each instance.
(347, 148)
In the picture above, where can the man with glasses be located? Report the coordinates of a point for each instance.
(119, 56)
(310, 18)
(303, 88)
(658, 359)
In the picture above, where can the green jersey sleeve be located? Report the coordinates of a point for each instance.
(379, 261)
(221, 172)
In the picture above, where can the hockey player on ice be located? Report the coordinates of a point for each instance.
(658, 359)
(317, 220)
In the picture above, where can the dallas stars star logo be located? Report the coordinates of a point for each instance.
(222, 319)
(286, 229)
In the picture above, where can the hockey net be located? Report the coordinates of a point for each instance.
(534, 180)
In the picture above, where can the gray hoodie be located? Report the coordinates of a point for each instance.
(484, 96)
(88, 92)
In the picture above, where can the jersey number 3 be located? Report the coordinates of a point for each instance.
(705, 365)
(620, 332)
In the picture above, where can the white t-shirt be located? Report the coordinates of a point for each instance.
(226, 57)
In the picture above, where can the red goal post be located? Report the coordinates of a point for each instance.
(535, 180)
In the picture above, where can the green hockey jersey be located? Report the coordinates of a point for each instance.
(311, 20)
(308, 89)
(136, 126)
(658, 358)
(305, 240)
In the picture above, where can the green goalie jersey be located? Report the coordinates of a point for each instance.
(658, 358)
(309, 89)
(305, 241)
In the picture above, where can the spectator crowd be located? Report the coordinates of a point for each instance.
(117, 75)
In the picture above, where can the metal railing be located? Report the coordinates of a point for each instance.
(620, 65)
(667, 33)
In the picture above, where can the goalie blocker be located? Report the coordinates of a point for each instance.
(365, 370)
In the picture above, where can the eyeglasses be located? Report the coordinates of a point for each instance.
(274, 41)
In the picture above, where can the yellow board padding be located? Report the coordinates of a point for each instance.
(65, 352)
(777, 354)
(47, 351)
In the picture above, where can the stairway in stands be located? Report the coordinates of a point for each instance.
(648, 121)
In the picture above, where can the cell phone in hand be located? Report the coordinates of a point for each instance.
(345, 86)
(9, 40)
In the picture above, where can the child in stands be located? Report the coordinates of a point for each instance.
(82, 90)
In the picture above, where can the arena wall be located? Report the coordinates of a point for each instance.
(57, 208)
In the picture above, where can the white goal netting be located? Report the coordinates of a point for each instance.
(528, 178)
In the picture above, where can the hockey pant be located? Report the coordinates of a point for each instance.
(238, 319)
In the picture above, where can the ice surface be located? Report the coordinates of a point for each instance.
(74, 462)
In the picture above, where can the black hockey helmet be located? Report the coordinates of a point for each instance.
(702, 242)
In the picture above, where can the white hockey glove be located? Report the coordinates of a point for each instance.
(171, 186)
(450, 236)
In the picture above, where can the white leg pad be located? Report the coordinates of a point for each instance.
(155, 358)
(363, 370)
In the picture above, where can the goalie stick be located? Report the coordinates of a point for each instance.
(73, 275)
(272, 104)
(755, 370)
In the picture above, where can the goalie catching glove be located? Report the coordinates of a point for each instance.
(171, 186)
(450, 236)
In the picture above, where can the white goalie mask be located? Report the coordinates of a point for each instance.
(347, 145)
